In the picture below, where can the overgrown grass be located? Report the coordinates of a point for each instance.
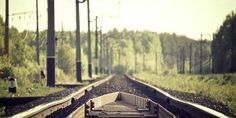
(221, 87)
(27, 88)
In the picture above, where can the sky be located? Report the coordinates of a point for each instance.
(184, 17)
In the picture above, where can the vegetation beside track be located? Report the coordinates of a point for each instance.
(27, 88)
(220, 87)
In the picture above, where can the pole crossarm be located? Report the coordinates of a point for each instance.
(80, 1)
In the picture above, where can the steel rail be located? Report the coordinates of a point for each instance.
(141, 103)
(48, 108)
(193, 109)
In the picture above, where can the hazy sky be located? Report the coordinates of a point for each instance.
(185, 17)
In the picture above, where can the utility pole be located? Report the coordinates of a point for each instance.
(111, 59)
(180, 61)
(143, 60)
(212, 55)
(201, 55)
(6, 41)
(51, 45)
(89, 45)
(101, 48)
(177, 61)
(135, 61)
(78, 46)
(195, 61)
(119, 56)
(156, 61)
(37, 34)
(107, 56)
(190, 58)
(135, 56)
(63, 40)
(96, 47)
(183, 62)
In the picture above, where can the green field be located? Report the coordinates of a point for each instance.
(220, 87)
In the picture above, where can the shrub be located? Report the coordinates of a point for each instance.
(120, 69)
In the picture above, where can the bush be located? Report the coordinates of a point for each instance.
(130, 72)
(66, 58)
(6, 72)
(5, 67)
(120, 69)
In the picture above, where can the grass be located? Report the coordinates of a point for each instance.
(221, 87)
(27, 88)
(2, 110)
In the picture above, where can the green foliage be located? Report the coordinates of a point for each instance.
(5, 67)
(63, 78)
(66, 58)
(21, 64)
(6, 72)
(26, 87)
(171, 45)
(119, 69)
(132, 45)
(223, 46)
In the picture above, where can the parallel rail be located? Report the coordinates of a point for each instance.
(195, 110)
(11, 101)
(48, 108)
(139, 102)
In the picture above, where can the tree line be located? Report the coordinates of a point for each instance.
(224, 46)
(129, 51)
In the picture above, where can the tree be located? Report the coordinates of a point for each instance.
(223, 46)
(66, 58)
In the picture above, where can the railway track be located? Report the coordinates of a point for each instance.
(15, 105)
(71, 105)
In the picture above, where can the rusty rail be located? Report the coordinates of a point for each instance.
(48, 108)
(139, 102)
(195, 110)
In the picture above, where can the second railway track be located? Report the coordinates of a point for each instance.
(66, 106)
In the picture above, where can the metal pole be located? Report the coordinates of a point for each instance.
(107, 56)
(6, 52)
(96, 47)
(195, 61)
(135, 56)
(190, 59)
(156, 61)
(51, 45)
(89, 45)
(37, 34)
(104, 55)
(101, 68)
(78, 50)
(111, 59)
(183, 53)
(177, 61)
(119, 56)
(135, 61)
(212, 56)
(201, 55)
(143, 60)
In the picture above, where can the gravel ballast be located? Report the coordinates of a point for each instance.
(123, 84)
